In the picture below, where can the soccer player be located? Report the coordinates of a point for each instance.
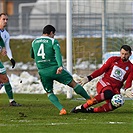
(3, 76)
(47, 55)
(117, 72)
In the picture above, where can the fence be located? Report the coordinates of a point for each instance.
(87, 16)
(87, 22)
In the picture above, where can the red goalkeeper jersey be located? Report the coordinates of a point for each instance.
(116, 72)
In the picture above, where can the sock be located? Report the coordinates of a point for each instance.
(55, 101)
(100, 97)
(97, 99)
(80, 90)
(8, 90)
(105, 108)
(10, 100)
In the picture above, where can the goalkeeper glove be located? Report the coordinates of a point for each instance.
(13, 62)
(128, 92)
(84, 80)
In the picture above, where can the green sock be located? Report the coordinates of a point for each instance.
(8, 89)
(81, 91)
(55, 101)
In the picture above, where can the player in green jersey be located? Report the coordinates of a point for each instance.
(47, 55)
(3, 53)
(2, 47)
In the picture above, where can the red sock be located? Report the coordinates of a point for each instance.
(100, 97)
(85, 105)
(105, 108)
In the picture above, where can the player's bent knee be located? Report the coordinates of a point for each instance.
(108, 94)
(4, 78)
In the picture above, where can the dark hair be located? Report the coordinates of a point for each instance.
(126, 48)
(2, 14)
(48, 28)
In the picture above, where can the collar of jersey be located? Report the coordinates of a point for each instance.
(1, 30)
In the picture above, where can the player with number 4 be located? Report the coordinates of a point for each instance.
(47, 55)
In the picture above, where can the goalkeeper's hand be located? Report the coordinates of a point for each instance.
(84, 80)
(128, 92)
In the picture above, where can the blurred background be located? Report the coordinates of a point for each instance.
(98, 26)
(28, 17)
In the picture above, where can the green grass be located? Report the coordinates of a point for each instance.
(38, 115)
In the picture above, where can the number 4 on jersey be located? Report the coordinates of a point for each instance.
(41, 51)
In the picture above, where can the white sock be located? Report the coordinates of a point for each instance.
(10, 100)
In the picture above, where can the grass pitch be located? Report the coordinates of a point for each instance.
(38, 115)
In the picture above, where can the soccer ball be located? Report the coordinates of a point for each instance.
(117, 100)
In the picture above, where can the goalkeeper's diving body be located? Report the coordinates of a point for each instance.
(117, 73)
(47, 55)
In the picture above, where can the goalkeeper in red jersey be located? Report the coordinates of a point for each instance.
(117, 73)
(47, 55)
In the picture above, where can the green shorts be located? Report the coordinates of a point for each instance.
(2, 69)
(48, 75)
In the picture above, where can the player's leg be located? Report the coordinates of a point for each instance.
(9, 92)
(4, 79)
(79, 89)
(54, 100)
(47, 83)
(106, 94)
(101, 87)
(66, 78)
(104, 108)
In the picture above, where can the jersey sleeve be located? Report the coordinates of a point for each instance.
(7, 45)
(103, 69)
(58, 55)
(129, 80)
